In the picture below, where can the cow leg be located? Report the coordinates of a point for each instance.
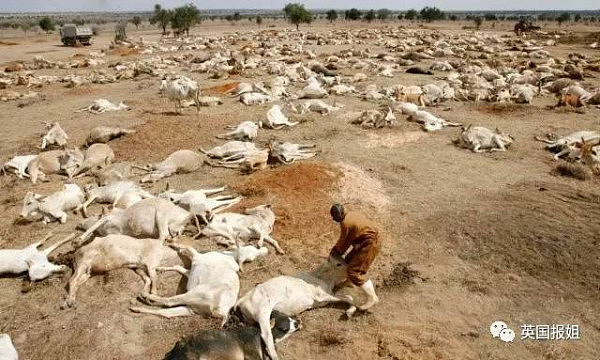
(264, 321)
(180, 269)
(168, 313)
(270, 240)
(177, 300)
(562, 153)
(84, 206)
(82, 274)
(162, 222)
(147, 280)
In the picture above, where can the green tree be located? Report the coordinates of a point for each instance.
(161, 17)
(383, 14)
(332, 16)
(490, 17)
(577, 18)
(478, 21)
(411, 14)
(184, 17)
(563, 18)
(136, 20)
(453, 17)
(79, 21)
(237, 16)
(370, 16)
(297, 14)
(431, 14)
(400, 16)
(25, 26)
(353, 14)
(47, 24)
(259, 20)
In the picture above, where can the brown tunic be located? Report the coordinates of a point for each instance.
(360, 233)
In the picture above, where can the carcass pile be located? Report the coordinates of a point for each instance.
(139, 229)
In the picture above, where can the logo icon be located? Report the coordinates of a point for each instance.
(499, 329)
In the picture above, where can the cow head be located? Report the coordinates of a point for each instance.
(55, 135)
(40, 268)
(71, 162)
(31, 205)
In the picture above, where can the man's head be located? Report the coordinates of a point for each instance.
(337, 212)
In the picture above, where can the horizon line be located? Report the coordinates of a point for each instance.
(281, 10)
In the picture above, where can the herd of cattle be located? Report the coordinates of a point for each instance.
(141, 229)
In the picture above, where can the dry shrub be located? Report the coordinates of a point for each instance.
(8, 43)
(332, 337)
(401, 276)
(574, 170)
(501, 108)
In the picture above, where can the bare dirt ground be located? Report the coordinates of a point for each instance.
(468, 238)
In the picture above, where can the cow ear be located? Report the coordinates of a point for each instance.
(272, 323)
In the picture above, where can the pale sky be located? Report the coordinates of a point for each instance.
(140, 5)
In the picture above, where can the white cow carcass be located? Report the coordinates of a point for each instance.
(101, 106)
(212, 287)
(480, 139)
(32, 260)
(291, 295)
(276, 119)
(254, 223)
(18, 165)
(53, 207)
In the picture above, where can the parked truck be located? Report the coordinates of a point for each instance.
(70, 34)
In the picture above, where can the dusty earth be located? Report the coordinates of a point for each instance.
(468, 238)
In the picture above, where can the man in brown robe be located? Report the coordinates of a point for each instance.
(361, 234)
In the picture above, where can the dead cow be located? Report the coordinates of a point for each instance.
(567, 145)
(291, 295)
(179, 162)
(97, 155)
(103, 134)
(53, 207)
(230, 148)
(7, 349)
(243, 343)
(246, 162)
(480, 139)
(115, 252)
(150, 218)
(287, 153)
(32, 260)
(246, 131)
(212, 287)
(276, 119)
(116, 193)
(18, 165)
(46, 163)
(197, 202)
(55, 135)
(254, 223)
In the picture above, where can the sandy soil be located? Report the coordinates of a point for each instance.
(468, 238)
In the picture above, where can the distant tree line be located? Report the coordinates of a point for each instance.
(180, 18)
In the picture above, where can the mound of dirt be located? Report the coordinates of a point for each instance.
(358, 188)
(300, 195)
